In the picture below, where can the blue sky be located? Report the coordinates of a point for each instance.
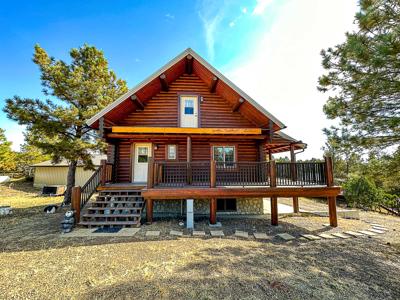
(238, 37)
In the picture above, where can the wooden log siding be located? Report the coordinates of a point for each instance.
(162, 109)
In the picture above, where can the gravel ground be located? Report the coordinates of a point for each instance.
(37, 263)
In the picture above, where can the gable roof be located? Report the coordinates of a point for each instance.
(108, 109)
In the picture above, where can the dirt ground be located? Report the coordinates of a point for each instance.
(37, 263)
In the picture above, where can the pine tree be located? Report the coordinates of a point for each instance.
(80, 88)
(7, 156)
(363, 75)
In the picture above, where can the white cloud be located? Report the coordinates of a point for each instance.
(244, 10)
(211, 14)
(169, 16)
(231, 24)
(261, 6)
(282, 69)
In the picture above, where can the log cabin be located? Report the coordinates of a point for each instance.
(187, 138)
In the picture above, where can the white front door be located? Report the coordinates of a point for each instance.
(141, 161)
(189, 111)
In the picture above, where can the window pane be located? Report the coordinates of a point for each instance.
(171, 151)
(143, 151)
(189, 107)
(142, 158)
(219, 154)
(229, 154)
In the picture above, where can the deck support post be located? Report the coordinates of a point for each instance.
(293, 172)
(76, 202)
(149, 211)
(274, 199)
(331, 200)
(103, 179)
(274, 211)
(213, 210)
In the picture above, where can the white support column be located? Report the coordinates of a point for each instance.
(189, 214)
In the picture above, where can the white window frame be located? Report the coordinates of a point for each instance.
(168, 151)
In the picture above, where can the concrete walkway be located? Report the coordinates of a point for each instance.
(282, 208)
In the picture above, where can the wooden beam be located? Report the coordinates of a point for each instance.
(213, 174)
(329, 171)
(223, 192)
(213, 84)
(238, 104)
(103, 176)
(189, 64)
(274, 211)
(332, 211)
(270, 130)
(188, 149)
(164, 82)
(181, 130)
(213, 210)
(150, 173)
(137, 101)
(76, 202)
(166, 136)
(149, 211)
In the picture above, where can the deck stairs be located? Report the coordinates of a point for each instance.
(113, 208)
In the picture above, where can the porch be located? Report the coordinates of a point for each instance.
(172, 180)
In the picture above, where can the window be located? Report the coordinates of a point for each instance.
(171, 152)
(226, 204)
(224, 154)
(143, 154)
(189, 107)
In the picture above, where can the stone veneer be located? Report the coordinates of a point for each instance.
(202, 207)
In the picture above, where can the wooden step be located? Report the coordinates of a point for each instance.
(120, 196)
(114, 208)
(111, 215)
(117, 202)
(119, 191)
(110, 223)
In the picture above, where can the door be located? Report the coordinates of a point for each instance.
(189, 111)
(140, 164)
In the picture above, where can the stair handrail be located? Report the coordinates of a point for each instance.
(81, 195)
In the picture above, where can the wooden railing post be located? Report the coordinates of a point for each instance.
(331, 200)
(213, 173)
(103, 176)
(274, 199)
(76, 202)
(150, 173)
(329, 171)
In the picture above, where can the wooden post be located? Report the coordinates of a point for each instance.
(270, 155)
(213, 173)
(150, 173)
(149, 211)
(76, 202)
(103, 179)
(293, 172)
(189, 159)
(155, 173)
(274, 199)
(331, 200)
(213, 210)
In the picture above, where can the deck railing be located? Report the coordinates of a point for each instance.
(81, 195)
(214, 174)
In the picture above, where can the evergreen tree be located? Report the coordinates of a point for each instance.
(7, 156)
(363, 75)
(80, 88)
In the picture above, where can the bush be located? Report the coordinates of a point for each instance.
(362, 192)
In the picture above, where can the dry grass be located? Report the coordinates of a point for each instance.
(36, 263)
